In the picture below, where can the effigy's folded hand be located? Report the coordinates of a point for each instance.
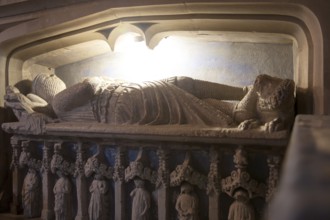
(249, 124)
(17, 101)
(12, 94)
(274, 125)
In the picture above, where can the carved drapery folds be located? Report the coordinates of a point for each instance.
(177, 100)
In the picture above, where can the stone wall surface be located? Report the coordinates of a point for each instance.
(22, 21)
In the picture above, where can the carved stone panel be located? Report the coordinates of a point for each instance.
(187, 202)
(31, 189)
(96, 167)
(242, 188)
(63, 186)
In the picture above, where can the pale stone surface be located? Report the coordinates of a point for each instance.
(241, 208)
(140, 201)
(63, 203)
(304, 190)
(31, 194)
(187, 204)
(261, 114)
(268, 105)
(224, 61)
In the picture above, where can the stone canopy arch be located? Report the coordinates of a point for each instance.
(292, 22)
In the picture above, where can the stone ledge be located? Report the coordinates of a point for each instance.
(180, 133)
(304, 191)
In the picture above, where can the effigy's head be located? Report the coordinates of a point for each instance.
(47, 86)
(265, 85)
(274, 92)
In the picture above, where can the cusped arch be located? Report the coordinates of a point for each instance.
(121, 29)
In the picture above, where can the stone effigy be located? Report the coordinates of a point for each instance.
(178, 114)
(267, 104)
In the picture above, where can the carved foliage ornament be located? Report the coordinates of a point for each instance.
(138, 169)
(59, 164)
(46, 159)
(240, 178)
(163, 177)
(185, 172)
(25, 158)
(213, 183)
(93, 165)
(119, 169)
(79, 164)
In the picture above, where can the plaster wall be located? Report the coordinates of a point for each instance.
(232, 63)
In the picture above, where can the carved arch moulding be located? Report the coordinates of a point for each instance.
(105, 23)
